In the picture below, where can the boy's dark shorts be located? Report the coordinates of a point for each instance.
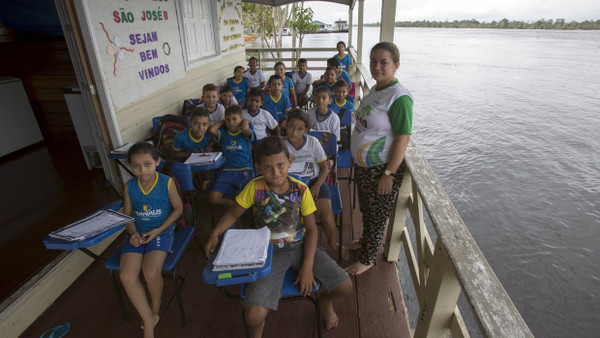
(231, 182)
(266, 291)
(324, 192)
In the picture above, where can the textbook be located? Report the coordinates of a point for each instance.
(122, 150)
(91, 226)
(203, 158)
(243, 249)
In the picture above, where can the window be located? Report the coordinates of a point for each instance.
(199, 27)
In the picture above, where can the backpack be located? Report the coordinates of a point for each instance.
(345, 133)
(187, 218)
(188, 105)
(168, 126)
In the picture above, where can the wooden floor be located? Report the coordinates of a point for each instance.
(374, 309)
(44, 187)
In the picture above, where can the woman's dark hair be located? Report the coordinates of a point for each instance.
(390, 47)
(271, 145)
(142, 148)
(301, 115)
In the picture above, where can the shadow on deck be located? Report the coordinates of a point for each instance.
(375, 308)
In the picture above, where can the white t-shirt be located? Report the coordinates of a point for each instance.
(261, 121)
(309, 152)
(301, 82)
(373, 134)
(330, 123)
(216, 115)
(256, 78)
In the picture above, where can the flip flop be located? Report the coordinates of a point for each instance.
(57, 331)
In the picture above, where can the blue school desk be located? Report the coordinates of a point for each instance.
(224, 278)
(82, 245)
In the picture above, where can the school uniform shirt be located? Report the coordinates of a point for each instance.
(217, 114)
(239, 88)
(310, 152)
(329, 122)
(261, 121)
(281, 105)
(344, 76)
(384, 113)
(345, 62)
(255, 79)
(185, 141)
(302, 82)
(336, 107)
(282, 213)
(150, 208)
(236, 149)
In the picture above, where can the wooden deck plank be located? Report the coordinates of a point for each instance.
(374, 309)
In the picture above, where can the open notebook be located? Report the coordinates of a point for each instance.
(243, 249)
(91, 226)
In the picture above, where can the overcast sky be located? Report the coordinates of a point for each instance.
(482, 10)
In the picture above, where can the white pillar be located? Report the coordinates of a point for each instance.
(350, 26)
(388, 20)
(359, 41)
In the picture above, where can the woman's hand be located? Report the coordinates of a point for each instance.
(306, 280)
(385, 184)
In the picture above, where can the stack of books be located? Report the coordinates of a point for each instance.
(203, 158)
(243, 249)
(91, 226)
(122, 150)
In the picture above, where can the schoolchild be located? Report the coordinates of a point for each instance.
(239, 84)
(226, 97)
(305, 148)
(236, 138)
(340, 100)
(329, 79)
(288, 84)
(152, 199)
(302, 80)
(210, 97)
(340, 74)
(255, 75)
(321, 117)
(194, 138)
(276, 100)
(344, 59)
(286, 206)
(261, 120)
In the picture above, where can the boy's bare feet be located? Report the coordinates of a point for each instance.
(355, 245)
(149, 327)
(330, 317)
(357, 268)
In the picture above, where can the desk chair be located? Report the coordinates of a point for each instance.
(345, 154)
(330, 148)
(289, 292)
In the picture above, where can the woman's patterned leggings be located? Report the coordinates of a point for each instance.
(375, 208)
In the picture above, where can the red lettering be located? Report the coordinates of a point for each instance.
(166, 15)
(116, 16)
(143, 16)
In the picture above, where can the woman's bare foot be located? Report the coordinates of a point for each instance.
(149, 327)
(330, 317)
(357, 268)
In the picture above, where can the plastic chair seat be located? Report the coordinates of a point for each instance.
(181, 239)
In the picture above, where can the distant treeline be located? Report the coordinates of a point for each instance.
(503, 24)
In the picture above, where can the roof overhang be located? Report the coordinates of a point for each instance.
(286, 2)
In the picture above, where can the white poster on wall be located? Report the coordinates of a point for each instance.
(230, 25)
(138, 46)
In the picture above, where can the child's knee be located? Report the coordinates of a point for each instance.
(152, 274)
(215, 196)
(128, 277)
(345, 288)
(256, 315)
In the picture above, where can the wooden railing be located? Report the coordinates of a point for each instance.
(268, 56)
(439, 273)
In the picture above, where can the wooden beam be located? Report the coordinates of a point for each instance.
(388, 20)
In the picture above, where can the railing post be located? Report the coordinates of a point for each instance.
(397, 222)
(441, 294)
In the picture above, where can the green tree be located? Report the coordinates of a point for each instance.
(302, 23)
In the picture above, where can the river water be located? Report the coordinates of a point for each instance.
(509, 120)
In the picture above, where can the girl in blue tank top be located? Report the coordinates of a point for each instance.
(152, 199)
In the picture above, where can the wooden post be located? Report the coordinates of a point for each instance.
(359, 41)
(441, 294)
(397, 223)
(388, 20)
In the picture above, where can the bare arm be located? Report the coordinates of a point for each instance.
(214, 129)
(323, 172)
(134, 237)
(305, 275)
(397, 152)
(225, 222)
